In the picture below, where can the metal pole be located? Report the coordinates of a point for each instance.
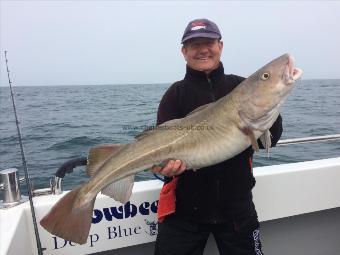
(28, 183)
(308, 139)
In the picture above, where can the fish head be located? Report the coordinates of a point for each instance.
(266, 90)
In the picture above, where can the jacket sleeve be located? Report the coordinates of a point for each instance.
(168, 108)
(275, 131)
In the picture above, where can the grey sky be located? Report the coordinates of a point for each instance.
(110, 42)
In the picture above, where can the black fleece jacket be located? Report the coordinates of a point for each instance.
(221, 192)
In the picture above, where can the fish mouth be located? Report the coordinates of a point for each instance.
(291, 73)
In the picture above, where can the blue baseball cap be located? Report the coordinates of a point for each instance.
(201, 28)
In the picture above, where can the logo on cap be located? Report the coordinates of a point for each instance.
(201, 28)
(197, 25)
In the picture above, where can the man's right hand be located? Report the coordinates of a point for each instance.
(171, 168)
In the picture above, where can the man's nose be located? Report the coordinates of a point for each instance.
(203, 47)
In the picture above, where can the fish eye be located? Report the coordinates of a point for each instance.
(265, 76)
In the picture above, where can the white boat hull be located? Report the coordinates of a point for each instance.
(298, 205)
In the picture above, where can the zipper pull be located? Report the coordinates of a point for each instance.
(210, 83)
(213, 98)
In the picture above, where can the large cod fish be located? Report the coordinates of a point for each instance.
(210, 134)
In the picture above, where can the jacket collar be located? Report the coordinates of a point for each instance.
(200, 77)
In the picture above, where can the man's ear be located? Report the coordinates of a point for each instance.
(221, 45)
(184, 52)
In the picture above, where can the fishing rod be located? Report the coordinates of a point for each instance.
(28, 183)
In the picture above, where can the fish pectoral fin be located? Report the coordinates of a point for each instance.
(120, 190)
(253, 140)
(250, 133)
(266, 140)
(97, 156)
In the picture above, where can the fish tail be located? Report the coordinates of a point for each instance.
(67, 221)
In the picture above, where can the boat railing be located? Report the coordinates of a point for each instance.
(309, 139)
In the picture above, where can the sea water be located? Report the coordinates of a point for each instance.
(59, 123)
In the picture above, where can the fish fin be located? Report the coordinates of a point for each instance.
(120, 190)
(266, 140)
(162, 126)
(97, 156)
(250, 133)
(70, 223)
(253, 141)
(169, 123)
(143, 134)
(200, 108)
(147, 132)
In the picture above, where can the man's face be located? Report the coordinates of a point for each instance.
(203, 54)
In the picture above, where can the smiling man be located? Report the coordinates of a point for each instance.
(203, 54)
(215, 199)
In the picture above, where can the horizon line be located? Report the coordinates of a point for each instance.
(126, 84)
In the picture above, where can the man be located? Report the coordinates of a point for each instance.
(215, 199)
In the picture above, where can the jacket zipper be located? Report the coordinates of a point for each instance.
(212, 96)
(218, 191)
(217, 199)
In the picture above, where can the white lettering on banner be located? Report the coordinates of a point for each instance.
(257, 244)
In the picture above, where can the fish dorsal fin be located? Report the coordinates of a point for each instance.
(97, 156)
(266, 141)
(200, 108)
(169, 123)
(162, 126)
(143, 134)
(120, 190)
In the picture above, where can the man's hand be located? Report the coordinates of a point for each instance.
(171, 168)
